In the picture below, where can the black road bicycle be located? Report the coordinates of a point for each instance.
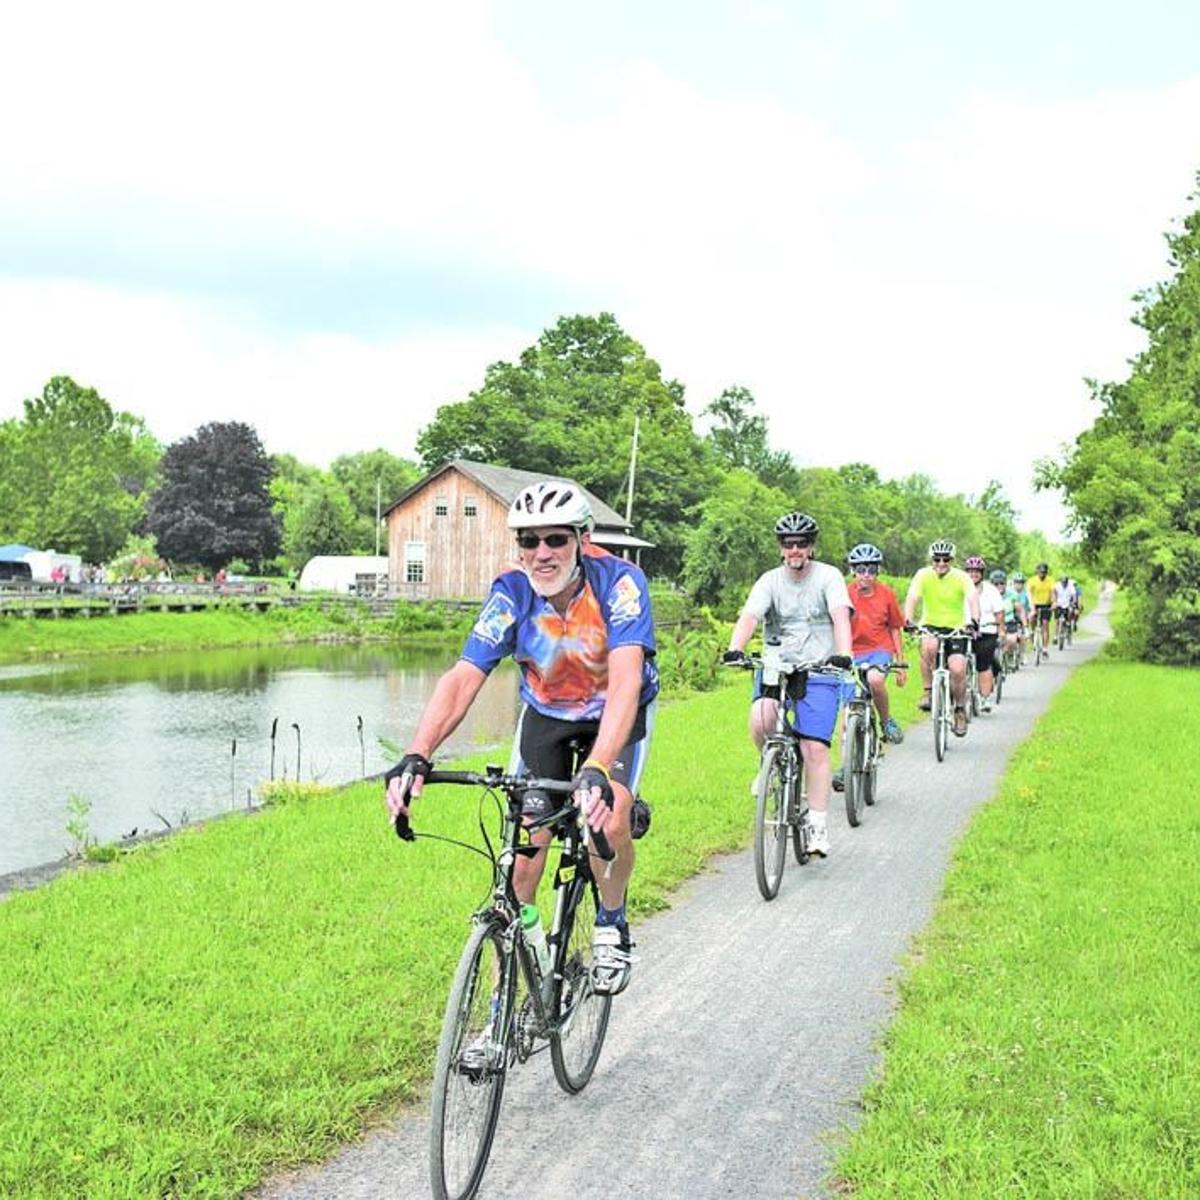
(503, 1006)
(863, 744)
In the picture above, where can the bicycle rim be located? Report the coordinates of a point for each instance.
(580, 1014)
(467, 1092)
(770, 825)
(852, 768)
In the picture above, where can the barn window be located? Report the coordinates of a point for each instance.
(470, 506)
(441, 507)
(414, 562)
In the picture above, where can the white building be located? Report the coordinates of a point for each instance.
(347, 574)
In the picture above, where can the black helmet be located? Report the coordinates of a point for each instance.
(864, 552)
(796, 524)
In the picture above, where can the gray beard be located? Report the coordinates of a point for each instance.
(548, 591)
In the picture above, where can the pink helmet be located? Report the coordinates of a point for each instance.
(975, 563)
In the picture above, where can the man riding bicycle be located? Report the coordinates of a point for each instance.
(945, 596)
(876, 628)
(806, 613)
(577, 621)
(1014, 612)
(1065, 596)
(1041, 592)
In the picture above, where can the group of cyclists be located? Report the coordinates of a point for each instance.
(578, 622)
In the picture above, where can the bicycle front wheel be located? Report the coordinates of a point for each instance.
(941, 718)
(580, 1014)
(871, 763)
(472, 1063)
(853, 767)
(770, 823)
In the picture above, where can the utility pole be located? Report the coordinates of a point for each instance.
(632, 471)
(378, 516)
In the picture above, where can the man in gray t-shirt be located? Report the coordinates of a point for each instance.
(805, 610)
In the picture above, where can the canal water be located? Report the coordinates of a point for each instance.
(146, 741)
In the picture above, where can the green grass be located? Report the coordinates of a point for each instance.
(24, 638)
(247, 995)
(1048, 1040)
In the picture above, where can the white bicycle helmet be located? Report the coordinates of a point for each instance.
(941, 546)
(864, 552)
(550, 502)
(796, 524)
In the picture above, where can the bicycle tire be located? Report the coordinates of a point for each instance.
(580, 1014)
(852, 768)
(466, 1100)
(770, 824)
(871, 770)
(797, 811)
(998, 686)
(940, 717)
(1062, 637)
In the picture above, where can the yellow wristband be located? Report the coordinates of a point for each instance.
(591, 762)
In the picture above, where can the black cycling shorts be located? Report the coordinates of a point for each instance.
(545, 747)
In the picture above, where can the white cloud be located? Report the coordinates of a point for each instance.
(933, 309)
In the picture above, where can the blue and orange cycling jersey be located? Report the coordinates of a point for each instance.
(564, 659)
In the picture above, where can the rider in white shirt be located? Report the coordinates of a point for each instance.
(991, 626)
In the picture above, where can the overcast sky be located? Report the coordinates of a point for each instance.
(911, 231)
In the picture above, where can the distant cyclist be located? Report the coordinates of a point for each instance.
(944, 596)
(876, 625)
(1024, 603)
(1014, 611)
(991, 626)
(1041, 592)
(577, 620)
(1065, 595)
(805, 609)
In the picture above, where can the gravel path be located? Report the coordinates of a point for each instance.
(739, 1054)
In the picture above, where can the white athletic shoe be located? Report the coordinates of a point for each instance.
(817, 839)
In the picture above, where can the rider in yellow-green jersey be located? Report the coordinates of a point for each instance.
(946, 597)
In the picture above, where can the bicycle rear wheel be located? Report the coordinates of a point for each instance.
(853, 767)
(770, 824)
(998, 689)
(580, 1014)
(472, 1063)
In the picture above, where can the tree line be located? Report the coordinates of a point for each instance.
(78, 476)
(1132, 480)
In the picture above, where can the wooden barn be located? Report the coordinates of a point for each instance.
(448, 535)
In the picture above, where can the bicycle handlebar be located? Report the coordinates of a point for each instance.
(835, 664)
(514, 785)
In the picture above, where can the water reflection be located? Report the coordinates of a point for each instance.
(150, 738)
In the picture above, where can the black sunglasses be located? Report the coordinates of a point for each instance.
(530, 541)
(795, 543)
(865, 569)
(940, 557)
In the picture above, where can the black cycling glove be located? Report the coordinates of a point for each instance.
(417, 766)
(734, 658)
(840, 661)
(592, 776)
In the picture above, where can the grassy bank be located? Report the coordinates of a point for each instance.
(241, 996)
(1048, 1043)
(24, 638)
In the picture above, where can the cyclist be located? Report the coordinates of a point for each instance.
(1041, 592)
(942, 592)
(578, 622)
(1025, 604)
(991, 625)
(1065, 599)
(1014, 611)
(805, 609)
(876, 626)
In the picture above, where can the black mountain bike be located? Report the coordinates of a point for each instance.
(781, 798)
(502, 1006)
(863, 744)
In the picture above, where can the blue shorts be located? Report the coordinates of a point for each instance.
(814, 716)
(872, 658)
